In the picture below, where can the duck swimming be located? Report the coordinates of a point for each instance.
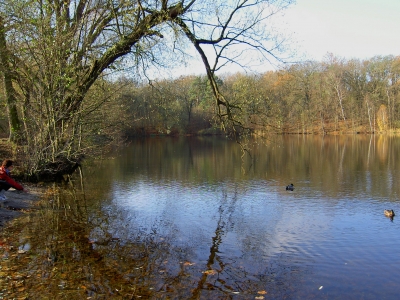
(389, 213)
(290, 187)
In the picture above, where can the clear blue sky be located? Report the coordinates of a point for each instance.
(347, 28)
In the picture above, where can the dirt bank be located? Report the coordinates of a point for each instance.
(18, 203)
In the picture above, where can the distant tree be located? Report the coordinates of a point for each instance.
(380, 74)
(334, 73)
(382, 118)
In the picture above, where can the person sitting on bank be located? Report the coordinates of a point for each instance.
(6, 181)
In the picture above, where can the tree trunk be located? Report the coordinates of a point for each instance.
(15, 124)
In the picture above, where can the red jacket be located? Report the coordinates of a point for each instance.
(7, 178)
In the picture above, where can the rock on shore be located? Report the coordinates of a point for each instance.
(16, 203)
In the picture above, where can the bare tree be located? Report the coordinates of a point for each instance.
(58, 49)
(232, 27)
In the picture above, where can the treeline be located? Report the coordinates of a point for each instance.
(332, 97)
(336, 96)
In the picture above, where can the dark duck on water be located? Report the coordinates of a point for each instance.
(290, 187)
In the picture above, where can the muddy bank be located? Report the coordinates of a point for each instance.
(18, 203)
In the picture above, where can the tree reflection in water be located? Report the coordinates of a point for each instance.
(68, 249)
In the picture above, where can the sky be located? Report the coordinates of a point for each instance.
(349, 29)
(346, 28)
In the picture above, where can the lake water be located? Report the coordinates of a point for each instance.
(194, 218)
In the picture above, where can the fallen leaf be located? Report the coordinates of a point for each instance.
(210, 272)
(262, 292)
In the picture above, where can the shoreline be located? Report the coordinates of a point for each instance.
(17, 203)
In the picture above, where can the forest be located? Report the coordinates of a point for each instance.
(336, 96)
(75, 78)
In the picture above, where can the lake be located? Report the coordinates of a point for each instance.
(196, 218)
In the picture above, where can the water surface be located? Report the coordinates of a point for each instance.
(192, 218)
(329, 232)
